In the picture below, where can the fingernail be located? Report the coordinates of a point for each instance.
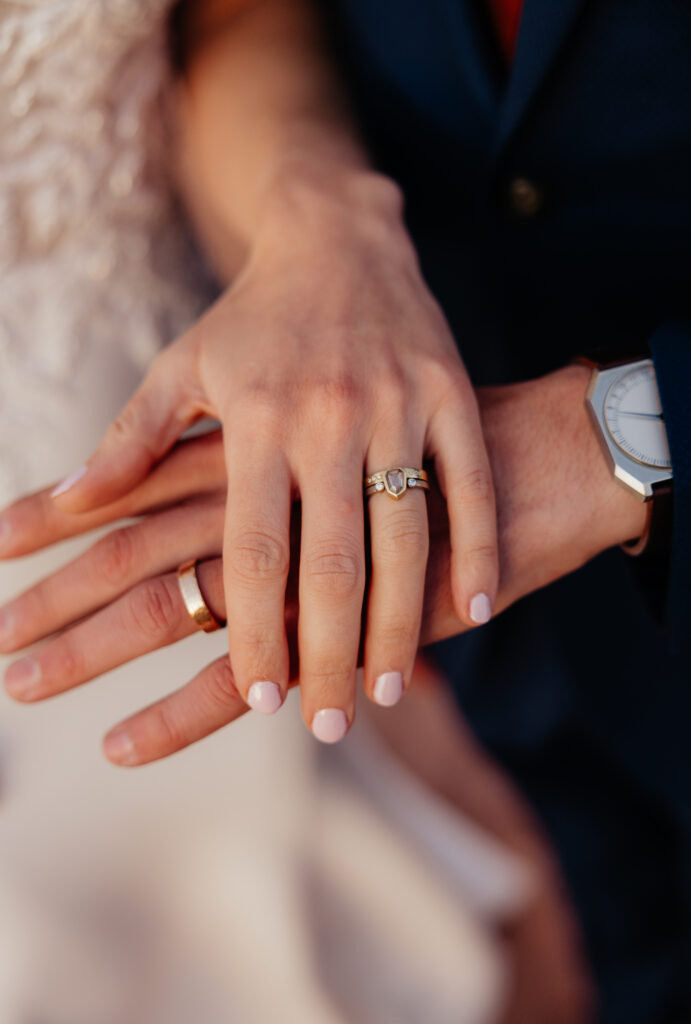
(22, 678)
(118, 747)
(68, 482)
(330, 725)
(480, 609)
(6, 625)
(264, 697)
(388, 689)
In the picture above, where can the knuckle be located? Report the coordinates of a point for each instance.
(220, 686)
(170, 729)
(155, 609)
(67, 661)
(335, 403)
(397, 636)
(41, 611)
(40, 605)
(484, 552)
(447, 372)
(263, 406)
(475, 488)
(114, 556)
(31, 518)
(258, 653)
(403, 540)
(394, 397)
(331, 674)
(334, 573)
(259, 556)
(129, 423)
(339, 388)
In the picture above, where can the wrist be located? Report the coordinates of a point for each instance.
(557, 502)
(614, 515)
(312, 200)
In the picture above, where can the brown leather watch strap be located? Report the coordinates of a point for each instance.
(651, 566)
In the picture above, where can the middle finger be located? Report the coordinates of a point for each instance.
(331, 588)
(256, 558)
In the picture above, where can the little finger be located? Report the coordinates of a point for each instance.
(205, 704)
(465, 476)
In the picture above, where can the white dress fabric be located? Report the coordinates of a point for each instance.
(254, 878)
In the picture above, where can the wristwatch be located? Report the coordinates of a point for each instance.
(624, 405)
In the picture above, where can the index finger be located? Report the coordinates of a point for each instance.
(168, 400)
(193, 467)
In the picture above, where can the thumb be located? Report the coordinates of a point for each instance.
(166, 403)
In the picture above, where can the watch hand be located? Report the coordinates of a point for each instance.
(644, 415)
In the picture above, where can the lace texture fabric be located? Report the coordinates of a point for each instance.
(95, 260)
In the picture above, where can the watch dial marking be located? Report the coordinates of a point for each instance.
(634, 418)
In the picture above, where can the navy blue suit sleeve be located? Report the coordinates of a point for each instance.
(670, 346)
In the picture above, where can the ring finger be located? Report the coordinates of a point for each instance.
(150, 616)
(112, 566)
(399, 547)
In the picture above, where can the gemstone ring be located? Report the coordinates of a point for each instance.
(395, 481)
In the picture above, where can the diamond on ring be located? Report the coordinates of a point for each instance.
(395, 481)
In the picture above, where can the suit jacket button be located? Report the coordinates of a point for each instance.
(525, 198)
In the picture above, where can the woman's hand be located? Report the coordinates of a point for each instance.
(328, 358)
(558, 507)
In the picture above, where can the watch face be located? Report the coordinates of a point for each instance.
(633, 415)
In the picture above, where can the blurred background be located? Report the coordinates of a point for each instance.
(255, 877)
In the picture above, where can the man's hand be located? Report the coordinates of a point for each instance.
(558, 507)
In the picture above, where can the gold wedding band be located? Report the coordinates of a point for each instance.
(197, 608)
(395, 481)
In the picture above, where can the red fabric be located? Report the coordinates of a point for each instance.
(507, 16)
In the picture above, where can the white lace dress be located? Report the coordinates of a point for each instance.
(184, 892)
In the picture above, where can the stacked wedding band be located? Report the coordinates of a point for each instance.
(196, 606)
(395, 481)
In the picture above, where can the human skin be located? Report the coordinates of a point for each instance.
(326, 358)
(558, 507)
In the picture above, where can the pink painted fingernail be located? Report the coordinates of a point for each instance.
(22, 678)
(388, 689)
(264, 697)
(118, 747)
(480, 609)
(69, 482)
(330, 725)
